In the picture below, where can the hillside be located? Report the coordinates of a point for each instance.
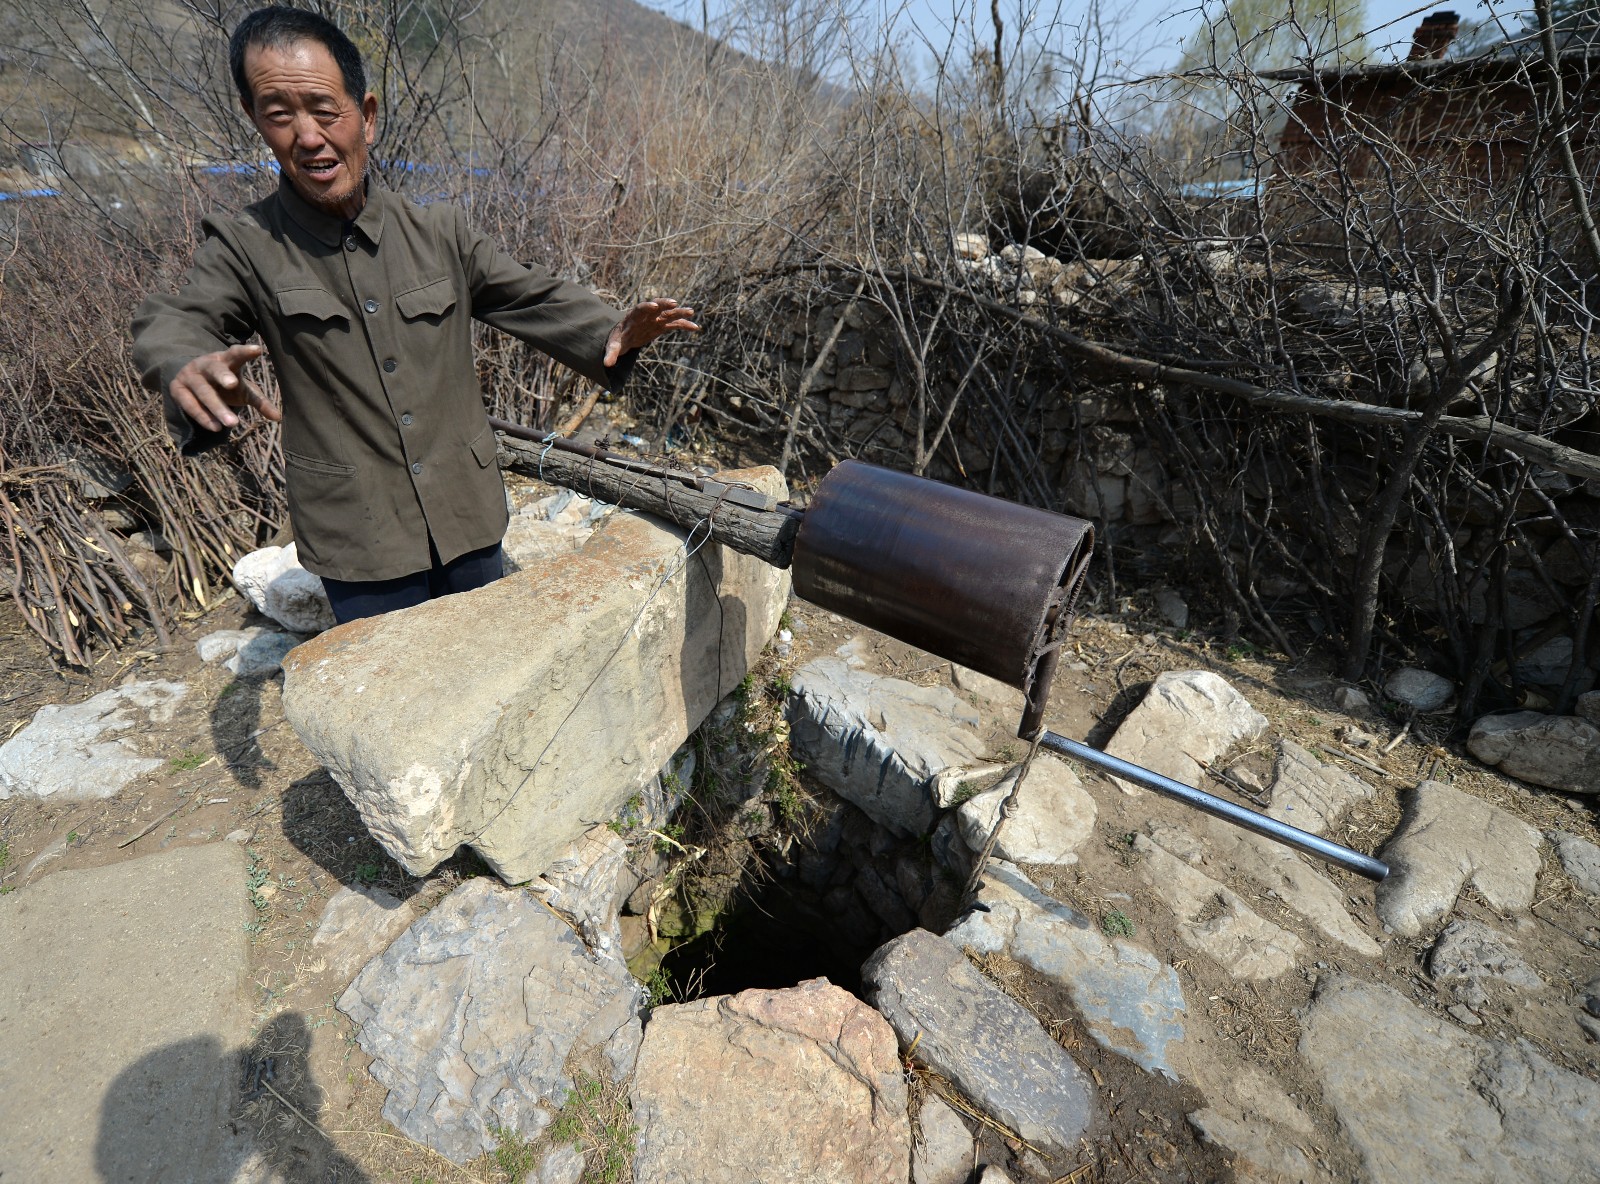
(82, 95)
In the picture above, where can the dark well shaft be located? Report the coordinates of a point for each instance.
(1278, 832)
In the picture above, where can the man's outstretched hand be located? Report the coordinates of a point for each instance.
(643, 323)
(208, 388)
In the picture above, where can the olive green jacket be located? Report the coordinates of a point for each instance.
(369, 328)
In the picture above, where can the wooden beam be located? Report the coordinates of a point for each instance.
(766, 534)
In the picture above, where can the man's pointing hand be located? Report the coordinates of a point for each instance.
(643, 323)
(208, 388)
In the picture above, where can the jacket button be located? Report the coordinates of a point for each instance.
(350, 243)
(417, 467)
(406, 419)
(388, 365)
(371, 306)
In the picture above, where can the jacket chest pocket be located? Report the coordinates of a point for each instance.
(427, 303)
(310, 310)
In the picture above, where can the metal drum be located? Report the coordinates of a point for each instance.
(968, 577)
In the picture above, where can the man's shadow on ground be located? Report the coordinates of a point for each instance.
(150, 1132)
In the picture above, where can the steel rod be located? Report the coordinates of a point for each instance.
(1278, 832)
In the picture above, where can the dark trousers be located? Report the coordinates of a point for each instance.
(354, 599)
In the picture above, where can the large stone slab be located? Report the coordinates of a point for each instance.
(1053, 815)
(1186, 720)
(1447, 839)
(1556, 751)
(1130, 1001)
(1309, 794)
(802, 1085)
(982, 1040)
(1275, 869)
(1214, 919)
(122, 1011)
(1422, 1100)
(73, 751)
(1250, 1115)
(471, 1014)
(514, 717)
(357, 925)
(880, 742)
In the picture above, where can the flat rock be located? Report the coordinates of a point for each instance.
(248, 653)
(73, 752)
(1580, 859)
(1130, 1001)
(1470, 949)
(1421, 1099)
(1352, 700)
(471, 1014)
(357, 925)
(983, 1041)
(1187, 719)
(564, 1165)
(1556, 751)
(1214, 919)
(1276, 870)
(1421, 690)
(942, 1150)
(801, 1085)
(121, 1026)
(879, 742)
(1001, 696)
(443, 732)
(273, 580)
(1258, 1123)
(1447, 839)
(1309, 794)
(1053, 815)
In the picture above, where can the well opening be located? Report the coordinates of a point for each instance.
(764, 878)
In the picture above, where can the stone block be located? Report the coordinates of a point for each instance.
(880, 742)
(801, 1085)
(513, 717)
(1186, 720)
(1557, 751)
(1422, 1100)
(970, 1031)
(471, 1015)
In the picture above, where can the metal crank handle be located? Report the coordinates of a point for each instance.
(1278, 832)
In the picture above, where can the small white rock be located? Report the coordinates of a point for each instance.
(1172, 607)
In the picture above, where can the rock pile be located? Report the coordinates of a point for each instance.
(1369, 1083)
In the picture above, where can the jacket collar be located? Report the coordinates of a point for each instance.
(326, 228)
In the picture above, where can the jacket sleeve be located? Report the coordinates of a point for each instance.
(563, 319)
(210, 311)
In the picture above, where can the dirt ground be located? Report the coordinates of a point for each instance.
(234, 765)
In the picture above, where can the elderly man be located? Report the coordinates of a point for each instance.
(365, 303)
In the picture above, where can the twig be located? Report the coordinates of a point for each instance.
(150, 826)
(1395, 743)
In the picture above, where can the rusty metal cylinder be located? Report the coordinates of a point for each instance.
(975, 579)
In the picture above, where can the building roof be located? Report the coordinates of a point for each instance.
(1502, 59)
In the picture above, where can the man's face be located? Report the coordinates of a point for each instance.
(319, 134)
